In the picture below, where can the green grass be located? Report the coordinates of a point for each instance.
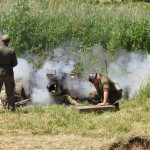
(61, 119)
(132, 119)
(39, 26)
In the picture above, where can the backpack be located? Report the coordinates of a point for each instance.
(119, 90)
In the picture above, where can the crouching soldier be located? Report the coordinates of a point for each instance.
(106, 90)
(19, 95)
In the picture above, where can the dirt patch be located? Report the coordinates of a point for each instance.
(136, 143)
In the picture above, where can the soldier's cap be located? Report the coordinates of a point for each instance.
(92, 77)
(5, 37)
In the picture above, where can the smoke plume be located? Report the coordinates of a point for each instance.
(36, 82)
(129, 70)
(22, 73)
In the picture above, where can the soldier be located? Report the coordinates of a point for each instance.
(8, 60)
(20, 96)
(106, 90)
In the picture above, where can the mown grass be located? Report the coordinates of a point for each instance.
(133, 118)
(42, 26)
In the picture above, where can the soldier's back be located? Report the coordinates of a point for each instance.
(106, 82)
(6, 55)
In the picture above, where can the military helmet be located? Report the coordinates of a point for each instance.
(5, 37)
(92, 77)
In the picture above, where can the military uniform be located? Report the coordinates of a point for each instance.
(19, 94)
(8, 60)
(105, 84)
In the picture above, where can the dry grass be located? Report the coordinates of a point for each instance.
(16, 140)
(59, 127)
(5, 5)
(27, 141)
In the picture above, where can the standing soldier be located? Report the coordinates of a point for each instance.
(106, 90)
(8, 60)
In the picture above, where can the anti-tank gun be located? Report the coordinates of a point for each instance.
(61, 89)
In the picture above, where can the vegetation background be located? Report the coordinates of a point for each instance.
(39, 26)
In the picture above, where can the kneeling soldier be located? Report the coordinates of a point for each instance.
(106, 90)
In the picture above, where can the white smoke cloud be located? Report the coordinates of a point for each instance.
(1, 35)
(82, 88)
(40, 94)
(36, 82)
(22, 71)
(131, 71)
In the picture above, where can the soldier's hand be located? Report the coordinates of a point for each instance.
(100, 104)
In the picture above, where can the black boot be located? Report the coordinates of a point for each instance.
(117, 105)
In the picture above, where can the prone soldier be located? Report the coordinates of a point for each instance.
(19, 95)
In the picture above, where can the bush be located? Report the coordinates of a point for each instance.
(115, 25)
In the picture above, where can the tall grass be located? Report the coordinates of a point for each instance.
(45, 25)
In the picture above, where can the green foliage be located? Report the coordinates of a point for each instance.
(130, 35)
(115, 28)
(15, 23)
(24, 29)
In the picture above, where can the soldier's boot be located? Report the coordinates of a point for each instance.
(11, 103)
(10, 109)
(117, 105)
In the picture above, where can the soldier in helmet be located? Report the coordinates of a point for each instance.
(8, 60)
(106, 90)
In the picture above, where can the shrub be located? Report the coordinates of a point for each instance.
(115, 25)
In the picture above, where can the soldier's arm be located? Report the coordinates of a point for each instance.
(14, 60)
(106, 87)
(106, 94)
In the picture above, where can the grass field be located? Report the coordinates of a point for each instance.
(42, 25)
(59, 120)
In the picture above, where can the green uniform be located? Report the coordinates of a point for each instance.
(105, 84)
(8, 60)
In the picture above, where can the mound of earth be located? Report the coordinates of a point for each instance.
(136, 143)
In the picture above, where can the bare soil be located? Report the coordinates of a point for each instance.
(136, 143)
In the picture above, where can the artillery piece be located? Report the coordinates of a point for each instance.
(61, 87)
